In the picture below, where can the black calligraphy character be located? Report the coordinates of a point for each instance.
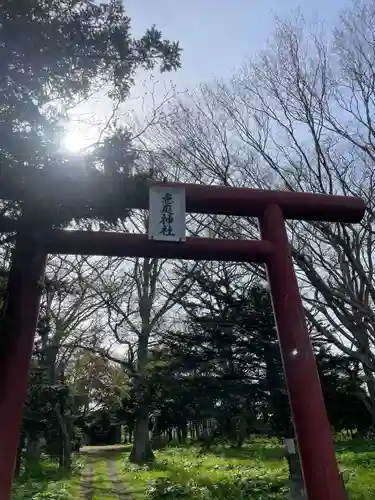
(167, 215)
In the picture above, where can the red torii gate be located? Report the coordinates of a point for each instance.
(320, 471)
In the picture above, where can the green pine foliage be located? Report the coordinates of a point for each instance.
(68, 51)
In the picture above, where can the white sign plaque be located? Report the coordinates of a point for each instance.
(290, 446)
(167, 217)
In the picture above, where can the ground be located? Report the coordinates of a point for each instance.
(256, 471)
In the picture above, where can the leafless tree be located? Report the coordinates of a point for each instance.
(140, 296)
(71, 309)
(300, 117)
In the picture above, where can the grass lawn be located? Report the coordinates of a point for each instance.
(43, 480)
(357, 461)
(255, 471)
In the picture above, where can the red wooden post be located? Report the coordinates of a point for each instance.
(16, 344)
(320, 471)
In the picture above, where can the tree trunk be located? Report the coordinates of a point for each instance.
(370, 382)
(141, 450)
(66, 458)
(17, 468)
(179, 435)
(369, 374)
(184, 431)
(32, 447)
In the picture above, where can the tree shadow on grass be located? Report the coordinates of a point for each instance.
(45, 470)
(356, 445)
(28, 484)
(184, 477)
(104, 451)
(39, 475)
(251, 451)
(183, 484)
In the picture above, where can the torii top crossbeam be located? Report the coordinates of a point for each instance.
(218, 200)
(253, 202)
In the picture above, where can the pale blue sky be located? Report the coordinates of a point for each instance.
(217, 35)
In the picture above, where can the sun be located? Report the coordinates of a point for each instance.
(74, 141)
(78, 137)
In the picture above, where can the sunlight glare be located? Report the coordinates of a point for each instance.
(74, 141)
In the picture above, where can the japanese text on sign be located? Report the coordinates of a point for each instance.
(167, 213)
